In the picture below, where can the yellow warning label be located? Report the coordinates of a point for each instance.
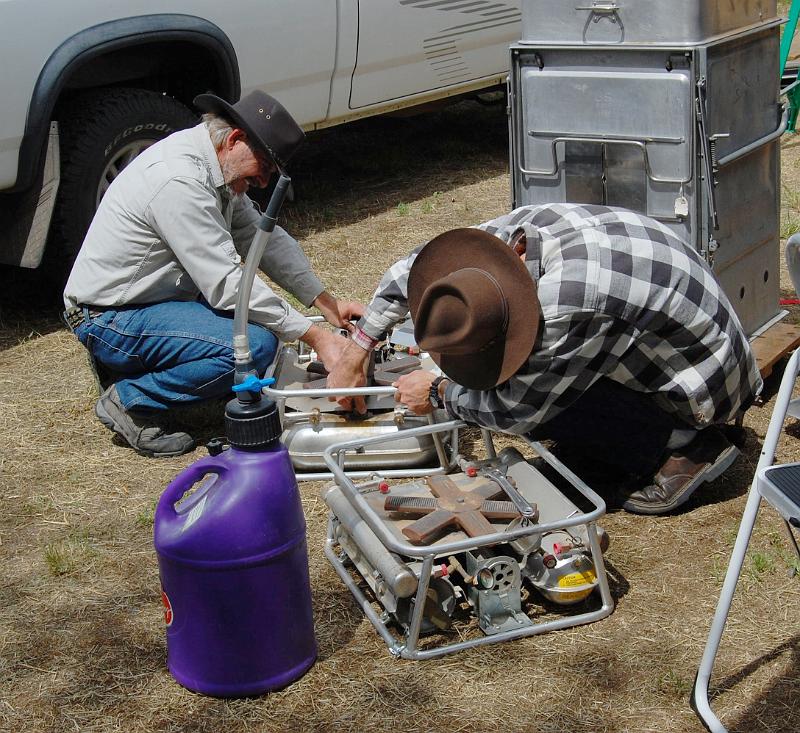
(570, 596)
(572, 580)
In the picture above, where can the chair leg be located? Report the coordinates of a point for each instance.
(700, 700)
(792, 540)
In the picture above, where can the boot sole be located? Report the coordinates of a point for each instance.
(715, 470)
(108, 421)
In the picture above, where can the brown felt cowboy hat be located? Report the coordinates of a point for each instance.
(265, 120)
(474, 307)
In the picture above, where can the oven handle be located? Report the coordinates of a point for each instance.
(747, 149)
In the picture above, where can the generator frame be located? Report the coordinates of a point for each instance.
(445, 454)
(407, 646)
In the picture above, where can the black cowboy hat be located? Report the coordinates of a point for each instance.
(474, 307)
(265, 120)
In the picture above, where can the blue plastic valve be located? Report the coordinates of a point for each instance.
(253, 384)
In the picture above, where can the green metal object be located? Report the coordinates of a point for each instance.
(793, 95)
(792, 92)
(788, 33)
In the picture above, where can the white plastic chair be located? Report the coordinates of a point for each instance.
(778, 485)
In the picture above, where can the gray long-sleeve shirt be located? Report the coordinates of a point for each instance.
(168, 229)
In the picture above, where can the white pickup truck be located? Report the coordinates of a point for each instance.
(87, 85)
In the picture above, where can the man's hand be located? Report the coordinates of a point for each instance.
(413, 390)
(328, 345)
(350, 371)
(338, 312)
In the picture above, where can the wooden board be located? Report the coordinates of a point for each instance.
(775, 343)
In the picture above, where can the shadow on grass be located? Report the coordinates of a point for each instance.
(769, 711)
(29, 306)
(345, 174)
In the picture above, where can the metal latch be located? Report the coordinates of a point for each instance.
(705, 147)
(600, 6)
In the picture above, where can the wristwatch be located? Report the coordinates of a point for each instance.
(433, 393)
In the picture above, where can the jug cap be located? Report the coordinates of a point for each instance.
(252, 425)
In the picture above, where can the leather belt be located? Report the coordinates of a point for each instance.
(77, 315)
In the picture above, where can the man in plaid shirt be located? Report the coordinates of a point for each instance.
(614, 339)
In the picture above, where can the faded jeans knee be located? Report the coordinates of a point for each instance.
(263, 345)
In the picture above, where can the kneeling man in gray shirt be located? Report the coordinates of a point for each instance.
(152, 291)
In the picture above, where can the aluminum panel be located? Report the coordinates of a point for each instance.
(577, 112)
(616, 95)
(747, 260)
(742, 89)
(639, 22)
(637, 106)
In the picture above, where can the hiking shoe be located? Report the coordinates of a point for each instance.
(137, 429)
(702, 460)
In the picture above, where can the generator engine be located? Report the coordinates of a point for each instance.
(491, 583)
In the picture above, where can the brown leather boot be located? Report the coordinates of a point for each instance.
(704, 459)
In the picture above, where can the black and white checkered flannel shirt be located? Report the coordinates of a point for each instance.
(622, 297)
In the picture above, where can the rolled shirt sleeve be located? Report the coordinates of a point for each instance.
(286, 263)
(389, 304)
(198, 236)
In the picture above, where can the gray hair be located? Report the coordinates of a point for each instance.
(218, 128)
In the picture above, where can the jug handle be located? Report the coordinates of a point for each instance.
(186, 479)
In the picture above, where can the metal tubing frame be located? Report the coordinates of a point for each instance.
(281, 395)
(445, 461)
(700, 700)
(407, 648)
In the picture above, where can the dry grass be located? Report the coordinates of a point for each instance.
(81, 638)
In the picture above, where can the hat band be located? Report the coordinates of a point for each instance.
(504, 324)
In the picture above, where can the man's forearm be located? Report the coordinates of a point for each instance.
(489, 409)
(352, 365)
(286, 264)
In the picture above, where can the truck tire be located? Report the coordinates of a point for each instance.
(100, 133)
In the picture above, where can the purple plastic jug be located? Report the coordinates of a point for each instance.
(233, 564)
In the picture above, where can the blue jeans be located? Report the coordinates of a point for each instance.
(171, 353)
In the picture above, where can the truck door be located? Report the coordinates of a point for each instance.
(288, 49)
(407, 47)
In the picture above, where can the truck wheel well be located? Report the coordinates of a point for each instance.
(172, 53)
(180, 69)
(103, 130)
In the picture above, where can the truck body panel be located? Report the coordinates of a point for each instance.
(327, 61)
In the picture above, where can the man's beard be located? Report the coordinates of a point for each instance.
(229, 178)
(231, 193)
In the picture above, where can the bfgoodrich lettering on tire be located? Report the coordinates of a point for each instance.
(100, 133)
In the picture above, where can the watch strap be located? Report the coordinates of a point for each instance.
(433, 394)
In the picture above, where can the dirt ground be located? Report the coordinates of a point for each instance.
(82, 644)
